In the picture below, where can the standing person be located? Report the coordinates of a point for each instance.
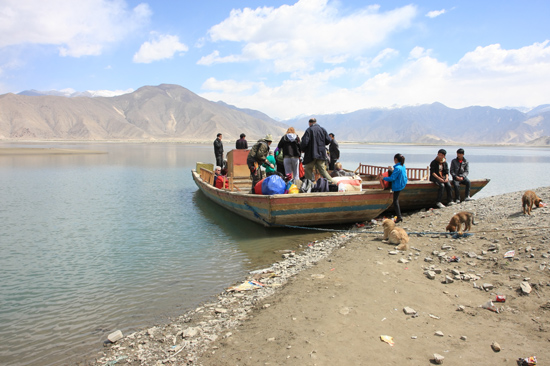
(399, 181)
(439, 174)
(218, 149)
(313, 146)
(289, 146)
(459, 171)
(258, 156)
(334, 152)
(241, 143)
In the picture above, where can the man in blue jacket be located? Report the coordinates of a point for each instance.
(313, 144)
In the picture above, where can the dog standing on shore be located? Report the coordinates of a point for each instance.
(395, 235)
(463, 217)
(529, 200)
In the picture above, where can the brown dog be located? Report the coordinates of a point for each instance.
(529, 200)
(463, 217)
(395, 235)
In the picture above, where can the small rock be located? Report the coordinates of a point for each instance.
(393, 252)
(438, 359)
(430, 274)
(409, 311)
(460, 308)
(439, 333)
(495, 346)
(448, 279)
(488, 286)
(115, 336)
(402, 260)
(464, 338)
(525, 287)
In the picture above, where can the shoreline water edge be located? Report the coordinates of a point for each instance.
(354, 299)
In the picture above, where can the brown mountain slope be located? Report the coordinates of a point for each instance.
(151, 112)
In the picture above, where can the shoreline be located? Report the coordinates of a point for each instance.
(45, 151)
(318, 303)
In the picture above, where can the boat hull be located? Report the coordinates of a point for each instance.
(300, 209)
(422, 194)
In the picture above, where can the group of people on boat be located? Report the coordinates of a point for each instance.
(286, 159)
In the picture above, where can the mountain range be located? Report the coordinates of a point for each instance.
(171, 112)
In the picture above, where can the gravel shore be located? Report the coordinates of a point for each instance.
(335, 301)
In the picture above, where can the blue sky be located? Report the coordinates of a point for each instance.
(284, 58)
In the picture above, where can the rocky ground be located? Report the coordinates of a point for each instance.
(346, 299)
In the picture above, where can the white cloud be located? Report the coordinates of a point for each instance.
(160, 48)
(297, 36)
(435, 13)
(78, 28)
(487, 75)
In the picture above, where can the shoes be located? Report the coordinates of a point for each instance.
(440, 205)
(468, 199)
(399, 219)
(450, 203)
(457, 202)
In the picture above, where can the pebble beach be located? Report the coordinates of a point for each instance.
(352, 299)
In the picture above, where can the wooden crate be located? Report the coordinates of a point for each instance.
(236, 163)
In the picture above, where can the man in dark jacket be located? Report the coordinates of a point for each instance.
(313, 145)
(218, 150)
(241, 143)
(439, 174)
(459, 172)
(334, 152)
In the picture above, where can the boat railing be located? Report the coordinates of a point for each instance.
(412, 173)
(208, 176)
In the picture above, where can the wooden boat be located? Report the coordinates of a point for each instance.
(303, 209)
(420, 192)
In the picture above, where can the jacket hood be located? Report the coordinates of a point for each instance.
(291, 136)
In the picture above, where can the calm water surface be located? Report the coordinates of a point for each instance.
(94, 243)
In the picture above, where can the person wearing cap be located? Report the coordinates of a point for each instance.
(459, 171)
(439, 174)
(218, 149)
(313, 145)
(257, 156)
(241, 143)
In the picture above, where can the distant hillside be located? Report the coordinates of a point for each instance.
(151, 112)
(436, 123)
(171, 112)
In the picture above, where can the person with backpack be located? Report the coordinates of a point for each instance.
(258, 156)
(398, 179)
(289, 147)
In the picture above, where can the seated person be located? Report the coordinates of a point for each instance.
(459, 172)
(271, 163)
(340, 172)
(223, 178)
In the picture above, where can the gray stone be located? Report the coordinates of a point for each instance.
(438, 359)
(439, 333)
(409, 311)
(488, 286)
(525, 287)
(115, 336)
(448, 279)
(430, 275)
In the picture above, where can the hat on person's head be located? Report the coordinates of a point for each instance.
(268, 137)
(442, 151)
(312, 120)
(460, 151)
(243, 135)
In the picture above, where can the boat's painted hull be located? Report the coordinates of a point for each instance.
(423, 194)
(300, 209)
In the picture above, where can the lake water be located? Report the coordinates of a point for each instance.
(94, 243)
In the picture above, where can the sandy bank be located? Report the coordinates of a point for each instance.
(331, 303)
